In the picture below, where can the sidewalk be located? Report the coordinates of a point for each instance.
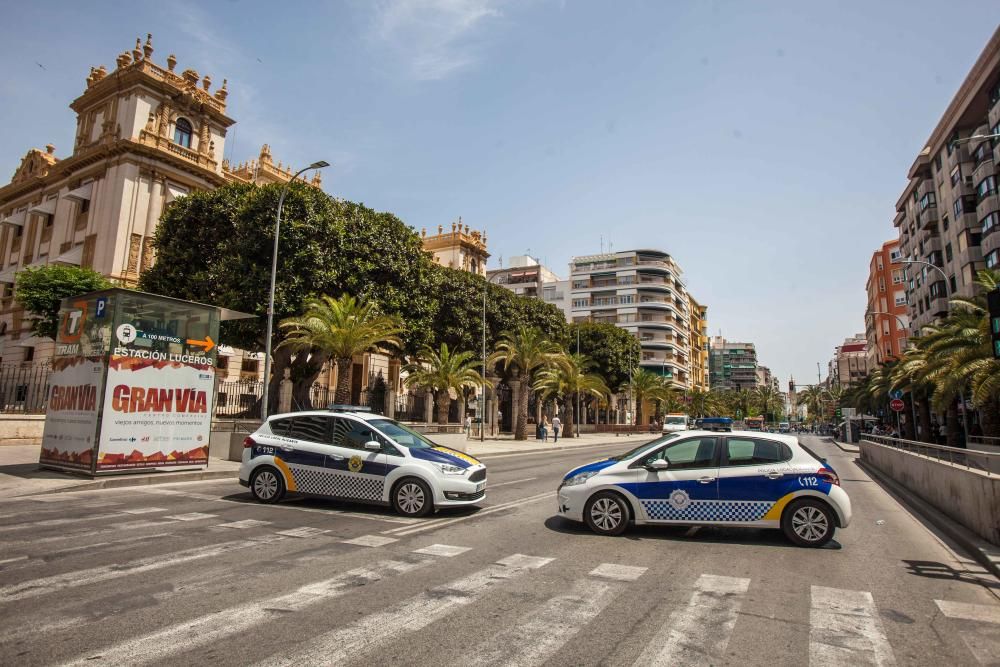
(21, 476)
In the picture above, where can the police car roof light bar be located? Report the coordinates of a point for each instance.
(341, 407)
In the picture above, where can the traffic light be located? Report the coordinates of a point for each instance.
(838, 412)
(993, 301)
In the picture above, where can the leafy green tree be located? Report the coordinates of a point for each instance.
(215, 247)
(566, 380)
(339, 329)
(768, 401)
(443, 371)
(610, 348)
(521, 353)
(40, 290)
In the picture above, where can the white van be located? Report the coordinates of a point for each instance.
(677, 421)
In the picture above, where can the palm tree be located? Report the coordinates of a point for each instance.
(342, 328)
(568, 379)
(647, 385)
(768, 400)
(699, 402)
(814, 398)
(522, 352)
(444, 371)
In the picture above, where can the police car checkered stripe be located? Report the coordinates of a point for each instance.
(322, 482)
(708, 510)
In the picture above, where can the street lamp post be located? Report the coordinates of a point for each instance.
(482, 402)
(579, 417)
(974, 137)
(274, 269)
(947, 292)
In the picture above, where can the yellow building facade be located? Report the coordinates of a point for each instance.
(698, 337)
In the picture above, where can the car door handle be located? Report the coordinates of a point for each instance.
(335, 457)
(286, 448)
(706, 480)
(774, 475)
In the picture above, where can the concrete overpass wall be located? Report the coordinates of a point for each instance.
(970, 497)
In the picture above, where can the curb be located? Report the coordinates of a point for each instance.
(843, 448)
(985, 553)
(144, 480)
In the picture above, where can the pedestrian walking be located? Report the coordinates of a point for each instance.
(468, 427)
(556, 425)
(545, 429)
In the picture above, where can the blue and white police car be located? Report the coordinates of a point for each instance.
(711, 478)
(355, 455)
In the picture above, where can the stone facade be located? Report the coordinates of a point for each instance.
(145, 135)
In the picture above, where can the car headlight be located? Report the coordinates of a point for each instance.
(448, 469)
(579, 479)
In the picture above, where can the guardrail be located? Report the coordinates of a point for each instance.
(970, 459)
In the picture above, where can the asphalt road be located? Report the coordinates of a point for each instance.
(196, 573)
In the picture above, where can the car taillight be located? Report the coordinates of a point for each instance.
(248, 442)
(828, 476)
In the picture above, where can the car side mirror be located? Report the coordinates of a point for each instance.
(373, 446)
(658, 464)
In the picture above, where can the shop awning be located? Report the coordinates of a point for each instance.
(82, 193)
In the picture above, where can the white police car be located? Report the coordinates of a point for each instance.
(358, 456)
(736, 478)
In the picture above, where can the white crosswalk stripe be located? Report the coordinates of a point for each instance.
(844, 629)
(698, 633)
(970, 612)
(304, 531)
(370, 541)
(217, 626)
(445, 550)
(192, 516)
(35, 587)
(539, 635)
(338, 646)
(242, 525)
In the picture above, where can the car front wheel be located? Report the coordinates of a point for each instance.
(606, 514)
(808, 523)
(267, 485)
(412, 497)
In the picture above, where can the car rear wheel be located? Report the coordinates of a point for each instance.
(606, 514)
(412, 497)
(808, 523)
(267, 485)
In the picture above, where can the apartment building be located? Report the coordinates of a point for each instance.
(849, 363)
(948, 214)
(765, 378)
(699, 344)
(886, 318)
(642, 292)
(525, 276)
(732, 365)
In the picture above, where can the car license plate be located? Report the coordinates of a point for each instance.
(480, 486)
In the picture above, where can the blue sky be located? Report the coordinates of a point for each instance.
(762, 144)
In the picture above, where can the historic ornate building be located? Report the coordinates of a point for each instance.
(459, 249)
(145, 135)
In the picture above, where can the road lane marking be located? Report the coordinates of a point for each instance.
(48, 523)
(618, 572)
(539, 635)
(370, 541)
(144, 510)
(13, 560)
(516, 481)
(215, 627)
(969, 612)
(490, 510)
(844, 629)
(242, 525)
(446, 550)
(35, 587)
(698, 633)
(339, 646)
(304, 531)
(192, 516)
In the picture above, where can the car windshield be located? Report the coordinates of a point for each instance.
(403, 435)
(676, 420)
(644, 447)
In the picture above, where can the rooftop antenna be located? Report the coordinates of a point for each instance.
(602, 244)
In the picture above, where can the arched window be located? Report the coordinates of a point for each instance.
(182, 133)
